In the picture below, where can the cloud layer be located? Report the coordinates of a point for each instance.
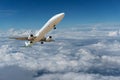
(77, 54)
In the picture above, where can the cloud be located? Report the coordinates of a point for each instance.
(15, 73)
(76, 76)
(113, 33)
(75, 55)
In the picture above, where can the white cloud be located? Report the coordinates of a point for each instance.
(75, 55)
(113, 33)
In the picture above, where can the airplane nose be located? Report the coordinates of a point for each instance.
(62, 14)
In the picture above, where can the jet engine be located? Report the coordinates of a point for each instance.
(30, 37)
(49, 39)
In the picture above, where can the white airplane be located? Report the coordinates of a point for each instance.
(40, 36)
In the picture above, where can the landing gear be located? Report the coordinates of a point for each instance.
(54, 27)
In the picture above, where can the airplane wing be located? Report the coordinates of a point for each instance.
(19, 38)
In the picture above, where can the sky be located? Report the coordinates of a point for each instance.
(33, 14)
(93, 52)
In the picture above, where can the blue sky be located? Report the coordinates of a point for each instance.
(32, 14)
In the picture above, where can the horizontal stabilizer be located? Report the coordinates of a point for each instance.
(28, 44)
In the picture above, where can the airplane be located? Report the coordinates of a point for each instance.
(40, 36)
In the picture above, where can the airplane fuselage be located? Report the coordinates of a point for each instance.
(41, 35)
(48, 26)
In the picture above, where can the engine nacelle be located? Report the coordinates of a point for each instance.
(30, 37)
(49, 39)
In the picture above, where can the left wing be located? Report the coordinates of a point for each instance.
(19, 38)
